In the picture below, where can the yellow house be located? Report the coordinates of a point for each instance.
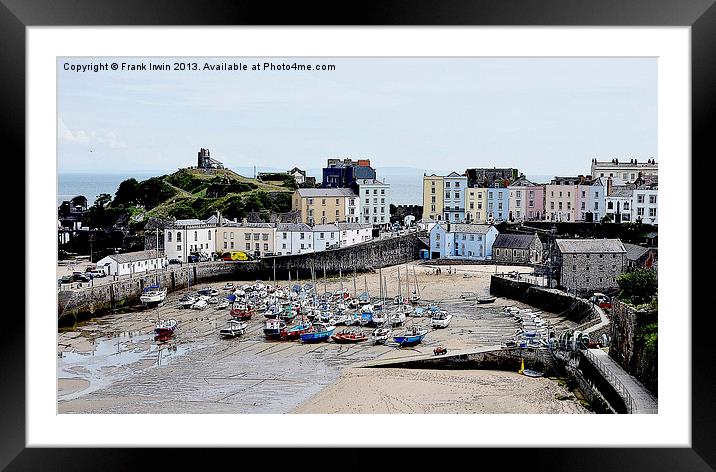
(433, 187)
(326, 205)
(475, 205)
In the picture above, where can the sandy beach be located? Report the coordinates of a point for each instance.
(113, 365)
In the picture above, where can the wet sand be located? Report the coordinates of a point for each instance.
(113, 365)
(388, 390)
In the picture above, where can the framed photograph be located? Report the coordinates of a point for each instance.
(407, 227)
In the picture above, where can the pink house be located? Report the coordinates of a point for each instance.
(526, 200)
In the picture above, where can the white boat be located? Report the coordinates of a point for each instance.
(406, 309)
(233, 329)
(380, 335)
(398, 300)
(379, 318)
(200, 304)
(186, 301)
(153, 295)
(440, 319)
(223, 304)
(213, 301)
(397, 319)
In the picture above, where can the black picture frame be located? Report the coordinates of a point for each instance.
(700, 15)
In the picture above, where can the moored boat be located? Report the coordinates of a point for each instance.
(274, 328)
(165, 327)
(295, 332)
(242, 312)
(348, 336)
(380, 335)
(485, 299)
(411, 336)
(440, 319)
(318, 333)
(234, 328)
(153, 295)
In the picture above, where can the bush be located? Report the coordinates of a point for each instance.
(638, 287)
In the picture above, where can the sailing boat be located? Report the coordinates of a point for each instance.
(154, 295)
(415, 297)
(383, 332)
(398, 300)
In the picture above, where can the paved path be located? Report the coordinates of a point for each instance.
(420, 357)
(603, 320)
(644, 401)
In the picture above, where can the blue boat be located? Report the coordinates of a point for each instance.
(411, 337)
(319, 333)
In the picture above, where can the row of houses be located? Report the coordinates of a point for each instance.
(220, 235)
(367, 203)
(624, 192)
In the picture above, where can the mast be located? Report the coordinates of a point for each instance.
(400, 288)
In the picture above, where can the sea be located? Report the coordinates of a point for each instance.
(406, 183)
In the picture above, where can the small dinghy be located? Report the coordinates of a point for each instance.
(233, 329)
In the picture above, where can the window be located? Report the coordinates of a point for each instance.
(652, 199)
(284, 235)
(302, 235)
(382, 209)
(178, 237)
(257, 246)
(367, 192)
(225, 246)
(375, 191)
(322, 236)
(169, 237)
(433, 190)
(519, 202)
(264, 236)
(596, 205)
(310, 201)
(472, 205)
(640, 211)
(283, 246)
(247, 236)
(178, 247)
(560, 205)
(583, 194)
(447, 184)
(196, 235)
(551, 205)
(652, 212)
(447, 195)
(640, 198)
(489, 195)
(472, 237)
(302, 246)
(323, 201)
(256, 236)
(626, 205)
(337, 213)
(265, 246)
(248, 246)
(382, 191)
(232, 245)
(624, 175)
(610, 205)
(209, 235)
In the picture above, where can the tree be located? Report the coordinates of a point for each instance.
(102, 200)
(126, 193)
(639, 286)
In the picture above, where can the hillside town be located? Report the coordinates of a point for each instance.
(480, 215)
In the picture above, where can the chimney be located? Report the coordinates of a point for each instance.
(609, 186)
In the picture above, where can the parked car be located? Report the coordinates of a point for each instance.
(174, 261)
(96, 273)
(65, 279)
(80, 277)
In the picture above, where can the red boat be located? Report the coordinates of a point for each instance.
(242, 313)
(346, 337)
(296, 331)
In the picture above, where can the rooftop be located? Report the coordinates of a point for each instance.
(134, 256)
(587, 246)
(293, 227)
(325, 192)
(634, 252)
(514, 241)
(469, 228)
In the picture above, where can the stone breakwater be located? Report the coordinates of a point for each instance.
(85, 303)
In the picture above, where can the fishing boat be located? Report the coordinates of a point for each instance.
(411, 336)
(187, 300)
(234, 328)
(318, 333)
(272, 311)
(380, 335)
(485, 299)
(165, 327)
(222, 304)
(349, 336)
(440, 319)
(295, 332)
(153, 295)
(273, 328)
(242, 312)
(288, 314)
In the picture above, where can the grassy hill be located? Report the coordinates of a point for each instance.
(194, 193)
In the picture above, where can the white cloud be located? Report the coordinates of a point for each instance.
(110, 138)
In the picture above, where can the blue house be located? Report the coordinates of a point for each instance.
(462, 241)
(498, 202)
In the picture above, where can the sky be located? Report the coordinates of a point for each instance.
(546, 116)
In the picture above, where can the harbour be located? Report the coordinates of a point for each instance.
(197, 371)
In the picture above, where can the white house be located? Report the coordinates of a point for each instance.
(354, 233)
(139, 262)
(462, 241)
(619, 204)
(189, 236)
(426, 224)
(374, 199)
(644, 204)
(326, 237)
(293, 238)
